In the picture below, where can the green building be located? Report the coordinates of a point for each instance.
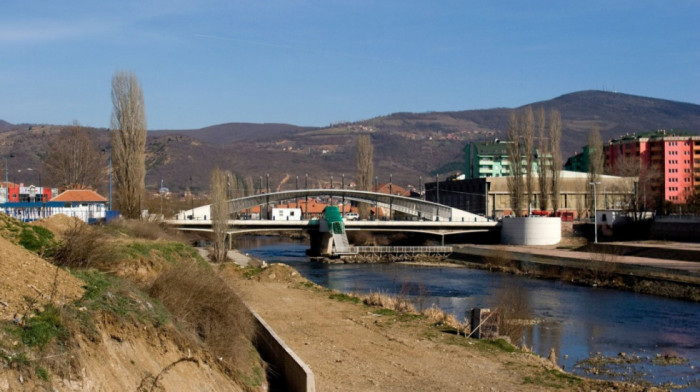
(578, 162)
(489, 159)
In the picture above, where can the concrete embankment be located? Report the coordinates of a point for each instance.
(670, 278)
(290, 370)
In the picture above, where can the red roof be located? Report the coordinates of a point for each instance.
(79, 195)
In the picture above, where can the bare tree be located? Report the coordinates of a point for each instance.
(128, 142)
(527, 125)
(544, 157)
(596, 161)
(73, 161)
(365, 170)
(219, 212)
(555, 149)
(515, 180)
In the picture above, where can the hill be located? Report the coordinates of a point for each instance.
(407, 145)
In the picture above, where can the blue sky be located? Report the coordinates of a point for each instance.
(310, 62)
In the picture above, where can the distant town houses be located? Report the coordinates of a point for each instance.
(670, 161)
(29, 203)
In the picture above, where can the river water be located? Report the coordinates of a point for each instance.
(577, 322)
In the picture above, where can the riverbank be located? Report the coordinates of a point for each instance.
(662, 277)
(353, 347)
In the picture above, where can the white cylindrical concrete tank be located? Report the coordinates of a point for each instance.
(531, 231)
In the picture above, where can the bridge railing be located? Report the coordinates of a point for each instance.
(403, 249)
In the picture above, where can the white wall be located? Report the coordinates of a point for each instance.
(531, 231)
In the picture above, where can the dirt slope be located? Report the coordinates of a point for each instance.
(24, 274)
(117, 355)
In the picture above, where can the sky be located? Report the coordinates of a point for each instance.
(317, 62)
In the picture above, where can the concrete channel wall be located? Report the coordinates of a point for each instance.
(294, 373)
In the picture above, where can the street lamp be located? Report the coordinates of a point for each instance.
(595, 213)
(108, 151)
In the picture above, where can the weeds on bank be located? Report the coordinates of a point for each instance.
(552, 378)
(33, 238)
(209, 311)
(342, 297)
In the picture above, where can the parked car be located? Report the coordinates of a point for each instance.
(352, 216)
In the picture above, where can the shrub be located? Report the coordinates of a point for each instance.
(83, 247)
(143, 229)
(208, 309)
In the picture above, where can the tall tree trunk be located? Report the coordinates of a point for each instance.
(515, 179)
(555, 149)
(219, 213)
(128, 143)
(365, 170)
(544, 158)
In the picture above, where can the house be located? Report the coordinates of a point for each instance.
(85, 204)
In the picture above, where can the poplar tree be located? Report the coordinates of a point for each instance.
(555, 149)
(544, 157)
(365, 170)
(515, 180)
(596, 160)
(128, 143)
(219, 212)
(527, 124)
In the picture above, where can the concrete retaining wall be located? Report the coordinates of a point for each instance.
(531, 231)
(295, 374)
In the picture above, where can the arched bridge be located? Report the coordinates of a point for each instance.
(407, 205)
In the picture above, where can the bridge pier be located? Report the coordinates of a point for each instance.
(320, 244)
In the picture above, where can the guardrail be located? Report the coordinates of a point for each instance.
(402, 249)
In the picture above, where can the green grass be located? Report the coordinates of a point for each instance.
(499, 344)
(250, 272)
(553, 379)
(113, 295)
(43, 374)
(33, 238)
(41, 329)
(342, 297)
(384, 312)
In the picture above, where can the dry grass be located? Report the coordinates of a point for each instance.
(513, 304)
(208, 309)
(145, 229)
(438, 317)
(397, 304)
(83, 246)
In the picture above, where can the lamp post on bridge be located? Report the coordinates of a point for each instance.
(391, 196)
(376, 200)
(306, 186)
(342, 187)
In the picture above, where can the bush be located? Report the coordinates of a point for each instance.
(143, 229)
(208, 309)
(83, 247)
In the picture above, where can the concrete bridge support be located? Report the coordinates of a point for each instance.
(321, 244)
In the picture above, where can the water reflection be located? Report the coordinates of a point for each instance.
(576, 321)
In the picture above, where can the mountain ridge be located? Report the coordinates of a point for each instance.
(407, 145)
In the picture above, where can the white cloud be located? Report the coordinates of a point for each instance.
(39, 31)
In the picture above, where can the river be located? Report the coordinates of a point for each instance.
(577, 322)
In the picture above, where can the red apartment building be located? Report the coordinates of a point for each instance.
(674, 155)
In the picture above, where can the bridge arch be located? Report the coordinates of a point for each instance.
(408, 205)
